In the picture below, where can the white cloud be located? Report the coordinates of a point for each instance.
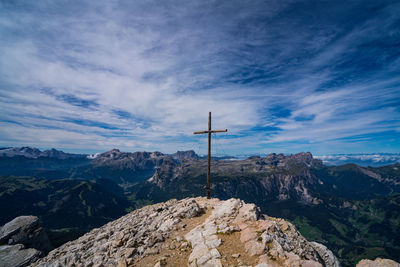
(167, 65)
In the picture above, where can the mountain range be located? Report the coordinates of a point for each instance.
(353, 210)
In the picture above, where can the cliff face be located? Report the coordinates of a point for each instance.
(134, 161)
(276, 177)
(193, 232)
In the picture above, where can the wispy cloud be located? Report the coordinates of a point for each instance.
(142, 76)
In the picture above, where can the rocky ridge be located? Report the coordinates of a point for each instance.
(272, 163)
(193, 232)
(140, 160)
(31, 152)
(279, 177)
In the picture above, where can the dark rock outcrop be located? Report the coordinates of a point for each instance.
(25, 230)
(22, 241)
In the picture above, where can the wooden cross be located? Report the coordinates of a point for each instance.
(209, 132)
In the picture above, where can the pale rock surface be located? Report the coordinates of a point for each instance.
(378, 262)
(134, 235)
(142, 234)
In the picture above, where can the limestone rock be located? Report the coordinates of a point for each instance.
(149, 233)
(17, 256)
(326, 254)
(378, 262)
(132, 236)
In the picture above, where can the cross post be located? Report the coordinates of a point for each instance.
(209, 132)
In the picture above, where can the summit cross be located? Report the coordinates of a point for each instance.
(209, 132)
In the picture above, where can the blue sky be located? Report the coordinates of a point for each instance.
(282, 76)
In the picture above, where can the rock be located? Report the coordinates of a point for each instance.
(25, 230)
(326, 254)
(284, 226)
(17, 256)
(378, 262)
(184, 245)
(152, 251)
(248, 234)
(225, 208)
(150, 230)
(160, 264)
(310, 263)
(129, 252)
(249, 212)
(118, 243)
(254, 248)
(122, 263)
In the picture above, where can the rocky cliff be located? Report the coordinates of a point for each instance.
(193, 232)
(275, 177)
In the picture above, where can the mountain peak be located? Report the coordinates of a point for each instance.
(26, 151)
(193, 232)
(182, 155)
(114, 150)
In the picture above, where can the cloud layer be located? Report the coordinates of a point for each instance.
(282, 76)
(379, 159)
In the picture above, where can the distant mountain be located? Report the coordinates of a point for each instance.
(354, 210)
(120, 167)
(182, 155)
(30, 152)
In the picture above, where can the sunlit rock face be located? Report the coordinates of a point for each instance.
(193, 232)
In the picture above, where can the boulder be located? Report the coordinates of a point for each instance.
(25, 230)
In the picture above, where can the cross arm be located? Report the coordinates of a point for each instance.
(219, 131)
(201, 132)
(212, 131)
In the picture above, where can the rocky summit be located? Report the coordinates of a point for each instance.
(193, 232)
